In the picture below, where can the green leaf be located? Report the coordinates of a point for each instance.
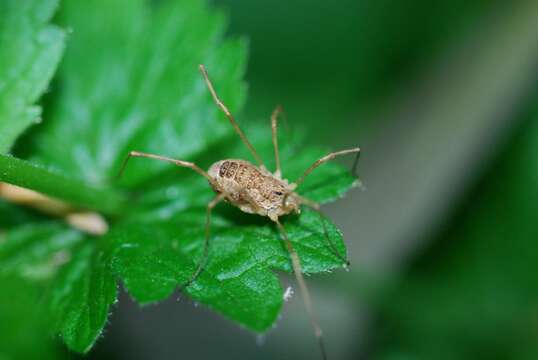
(23, 321)
(159, 246)
(130, 81)
(81, 297)
(141, 90)
(36, 249)
(56, 184)
(30, 49)
(326, 183)
(154, 258)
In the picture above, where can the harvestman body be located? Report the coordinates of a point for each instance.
(255, 190)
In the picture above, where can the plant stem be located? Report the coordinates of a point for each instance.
(46, 181)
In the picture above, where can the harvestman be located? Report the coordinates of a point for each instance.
(255, 190)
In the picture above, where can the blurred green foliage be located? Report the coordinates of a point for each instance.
(30, 49)
(132, 82)
(473, 294)
(331, 64)
(34, 249)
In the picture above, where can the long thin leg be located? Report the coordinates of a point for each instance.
(274, 118)
(314, 206)
(205, 253)
(163, 158)
(228, 114)
(304, 289)
(328, 158)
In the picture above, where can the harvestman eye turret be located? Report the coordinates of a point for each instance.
(255, 190)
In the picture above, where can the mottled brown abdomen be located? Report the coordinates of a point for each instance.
(245, 182)
(245, 175)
